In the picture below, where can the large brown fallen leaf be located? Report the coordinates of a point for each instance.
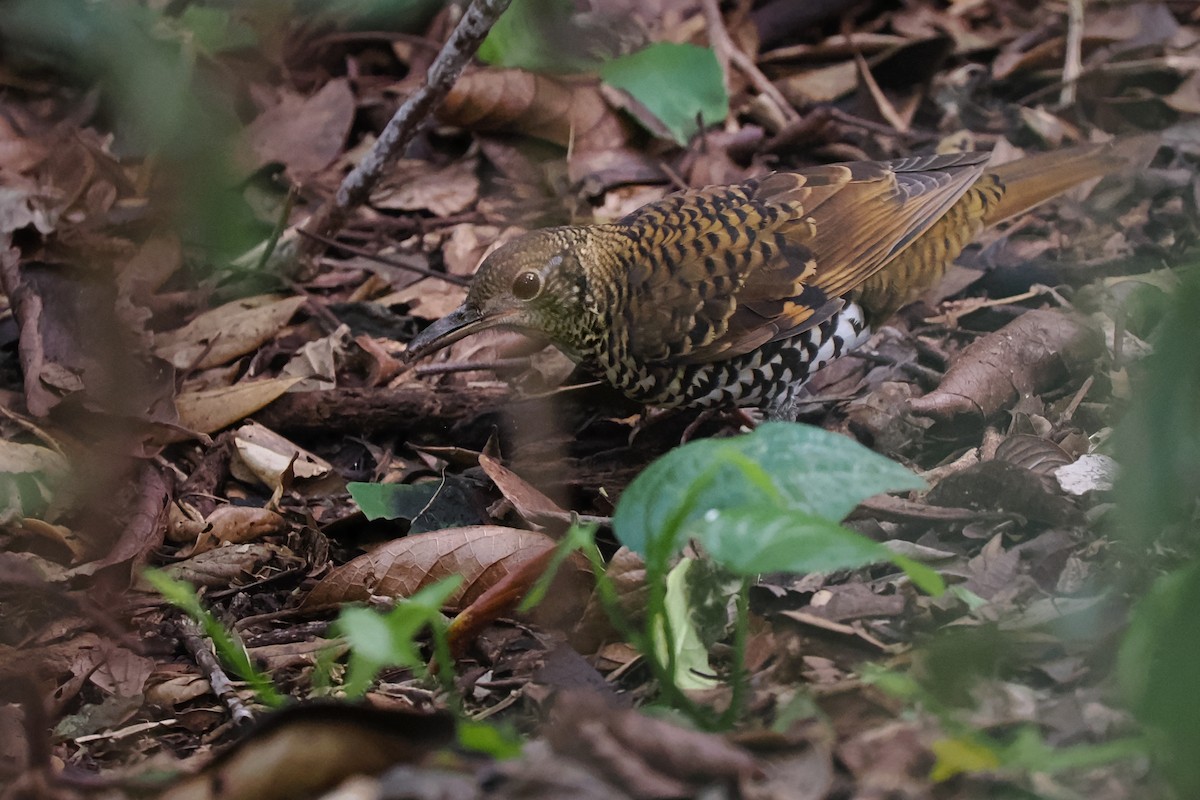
(1037, 351)
(514, 100)
(483, 555)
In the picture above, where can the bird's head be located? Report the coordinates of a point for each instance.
(535, 284)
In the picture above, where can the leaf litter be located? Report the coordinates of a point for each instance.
(121, 352)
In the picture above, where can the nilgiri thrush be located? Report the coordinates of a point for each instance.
(734, 295)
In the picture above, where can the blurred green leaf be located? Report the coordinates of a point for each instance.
(1158, 668)
(1158, 442)
(961, 754)
(488, 739)
(158, 104)
(679, 84)
(540, 36)
(216, 29)
(690, 656)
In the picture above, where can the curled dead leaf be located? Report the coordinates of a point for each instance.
(225, 525)
(558, 111)
(1035, 352)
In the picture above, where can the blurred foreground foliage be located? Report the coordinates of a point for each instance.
(1158, 516)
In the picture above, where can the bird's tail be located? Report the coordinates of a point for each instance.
(1032, 180)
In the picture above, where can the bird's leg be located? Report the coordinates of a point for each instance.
(739, 417)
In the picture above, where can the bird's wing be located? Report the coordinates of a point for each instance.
(721, 271)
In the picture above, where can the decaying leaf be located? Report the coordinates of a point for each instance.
(305, 134)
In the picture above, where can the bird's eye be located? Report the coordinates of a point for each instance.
(527, 285)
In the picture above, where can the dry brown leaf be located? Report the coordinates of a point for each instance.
(227, 332)
(1001, 486)
(229, 566)
(1035, 352)
(481, 554)
(514, 100)
(428, 298)
(212, 409)
(226, 525)
(530, 503)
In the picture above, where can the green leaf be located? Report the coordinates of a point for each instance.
(676, 83)
(216, 30)
(753, 539)
(820, 474)
(429, 506)
(491, 740)
(379, 640)
(690, 657)
(964, 754)
(233, 654)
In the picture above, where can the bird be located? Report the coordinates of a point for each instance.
(732, 296)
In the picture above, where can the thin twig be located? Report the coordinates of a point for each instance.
(1073, 65)
(457, 280)
(728, 52)
(202, 653)
(403, 126)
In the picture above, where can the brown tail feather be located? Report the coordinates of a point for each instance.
(1035, 179)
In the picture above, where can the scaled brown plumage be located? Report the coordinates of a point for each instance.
(733, 295)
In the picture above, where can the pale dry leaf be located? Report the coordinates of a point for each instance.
(212, 409)
(267, 454)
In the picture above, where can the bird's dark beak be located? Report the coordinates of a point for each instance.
(460, 322)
